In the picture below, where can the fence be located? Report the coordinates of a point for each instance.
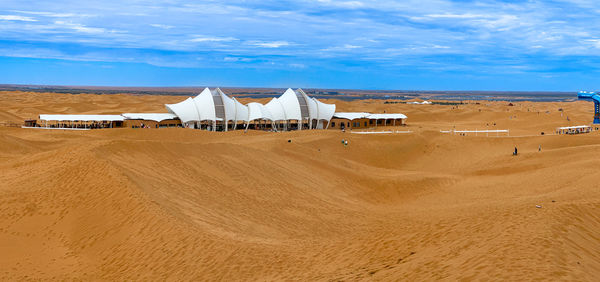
(9, 123)
(476, 131)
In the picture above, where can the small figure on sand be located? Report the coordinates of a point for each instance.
(515, 152)
(540, 148)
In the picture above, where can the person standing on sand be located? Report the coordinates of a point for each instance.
(515, 152)
(540, 148)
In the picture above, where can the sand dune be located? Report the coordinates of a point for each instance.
(186, 204)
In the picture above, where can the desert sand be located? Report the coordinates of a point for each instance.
(182, 204)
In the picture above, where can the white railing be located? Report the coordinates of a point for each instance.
(477, 131)
(380, 132)
(57, 128)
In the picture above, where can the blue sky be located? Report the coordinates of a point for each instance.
(364, 44)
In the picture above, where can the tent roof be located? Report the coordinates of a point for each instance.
(386, 116)
(574, 127)
(350, 116)
(286, 107)
(158, 117)
(357, 115)
(81, 117)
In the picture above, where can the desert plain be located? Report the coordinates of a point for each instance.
(183, 204)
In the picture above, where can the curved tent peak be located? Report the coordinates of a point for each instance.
(241, 111)
(291, 105)
(276, 109)
(205, 105)
(219, 104)
(311, 111)
(258, 111)
(266, 113)
(313, 108)
(254, 111)
(325, 111)
(205, 91)
(186, 110)
(229, 105)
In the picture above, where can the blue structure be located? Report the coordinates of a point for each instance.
(583, 95)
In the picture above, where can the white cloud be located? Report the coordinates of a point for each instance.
(16, 18)
(237, 59)
(341, 49)
(212, 39)
(348, 46)
(342, 4)
(269, 44)
(163, 26)
(79, 27)
(456, 16)
(53, 14)
(381, 31)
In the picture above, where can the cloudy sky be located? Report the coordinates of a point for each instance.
(367, 44)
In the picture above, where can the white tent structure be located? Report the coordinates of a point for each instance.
(351, 115)
(259, 112)
(158, 117)
(362, 115)
(80, 121)
(324, 112)
(186, 111)
(212, 107)
(215, 107)
(81, 118)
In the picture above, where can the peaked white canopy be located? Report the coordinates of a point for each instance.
(324, 111)
(186, 110)
(214, 105)
(258, 111)
(276, 109)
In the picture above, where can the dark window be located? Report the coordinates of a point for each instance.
(365, 123)
(333, 124)
(371, 121)
(348, 124)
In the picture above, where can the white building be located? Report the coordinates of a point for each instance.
(214, 110)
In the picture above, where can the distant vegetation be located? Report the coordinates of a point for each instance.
(342, 94)
(448, 103)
